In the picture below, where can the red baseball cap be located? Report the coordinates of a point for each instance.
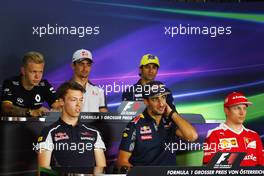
(236, 98)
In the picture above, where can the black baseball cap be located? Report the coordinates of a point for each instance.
(154, 89)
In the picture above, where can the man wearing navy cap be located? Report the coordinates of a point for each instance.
(232, 136)
(145, 137)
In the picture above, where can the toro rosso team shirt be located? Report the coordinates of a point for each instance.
(71, 146)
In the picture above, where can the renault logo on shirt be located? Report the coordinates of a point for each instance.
(37, 98)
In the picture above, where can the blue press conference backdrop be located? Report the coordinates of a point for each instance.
(200, 67)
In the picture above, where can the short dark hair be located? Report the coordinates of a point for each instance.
(63, 89)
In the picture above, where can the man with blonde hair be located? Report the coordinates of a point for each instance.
(232, 136)
(24, 95)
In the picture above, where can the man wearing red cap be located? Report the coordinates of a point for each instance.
(232, 136)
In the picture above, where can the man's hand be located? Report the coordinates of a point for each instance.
(8, 109)
(167, 110)
(38, 112)
(123, 159)
(185, 130)
(56, 106)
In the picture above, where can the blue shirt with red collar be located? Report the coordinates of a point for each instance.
(71, 146)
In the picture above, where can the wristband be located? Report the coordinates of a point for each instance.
(170, 114)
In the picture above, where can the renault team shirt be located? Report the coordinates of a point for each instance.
(230, 141)
(71, 146)
(14, 92)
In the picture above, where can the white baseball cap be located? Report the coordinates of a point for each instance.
(82, 54)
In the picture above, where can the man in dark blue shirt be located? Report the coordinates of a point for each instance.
(148, 70)
(69, 142)
(145, 138)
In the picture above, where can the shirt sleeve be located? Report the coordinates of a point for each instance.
(45, 141)
(99, 144)
(49, 93)
(128, 138)
(260, 152)
(7, 93)
(262, 157)
(210, 147)
(128, 94)
(102, 100)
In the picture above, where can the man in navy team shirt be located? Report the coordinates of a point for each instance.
(145, 137)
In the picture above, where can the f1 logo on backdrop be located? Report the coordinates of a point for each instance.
(131, 108)
(225, 160)
(128, 106)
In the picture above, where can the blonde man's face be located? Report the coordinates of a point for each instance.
(236, 114)
(33, 73)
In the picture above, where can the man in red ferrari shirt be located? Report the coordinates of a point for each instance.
(232, 136)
